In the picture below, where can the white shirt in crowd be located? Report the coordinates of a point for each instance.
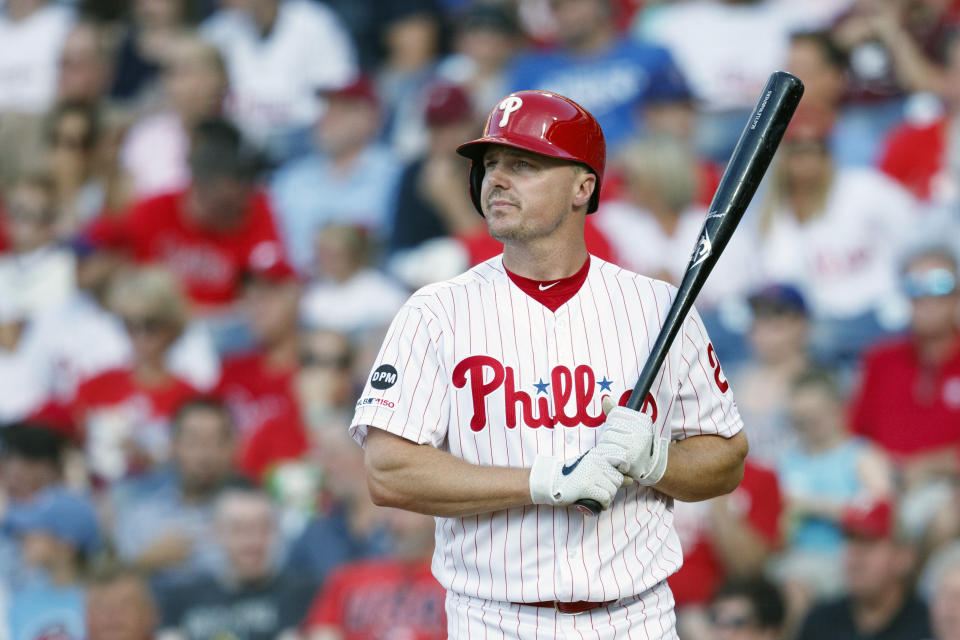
(735, 48)
(155, 153)
(367, 301)
(40, 279)
(29, 58)
(642, 245)
(844, 260)
(274, 79)
(80, 339)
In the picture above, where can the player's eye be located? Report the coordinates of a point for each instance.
(489, 164)
(523, 164)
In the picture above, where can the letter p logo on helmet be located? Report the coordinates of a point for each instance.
(508, 105)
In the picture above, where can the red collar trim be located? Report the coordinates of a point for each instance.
(552, 293)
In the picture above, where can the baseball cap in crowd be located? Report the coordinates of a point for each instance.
(360, 88)
(65, 515)
(491, 17)
(670, 87)
(447, 103)
(778, 298)
(873, 520)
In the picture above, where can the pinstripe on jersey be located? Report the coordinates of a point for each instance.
(489, 374)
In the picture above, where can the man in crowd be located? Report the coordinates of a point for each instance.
(119, 604)
(248, 598)
(164, 522)
(750, 609)
(879, 603)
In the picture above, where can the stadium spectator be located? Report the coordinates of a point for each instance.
(660, 214)
(727, 537)
(747, 609)
(149, 38)
(163, 522)
(834, 233)
(376, 597)
(22, 372)
(350, 295)
(944, 614)
(878, 602)
(349, 179)
(82, 337)
(257, 386)
(925, 156)
(413, 34)
(58, 533)
(209, 233)
(487, 38)
(250, 597)
(273, 50)
(119, 605)
(778, 341)
(155, 150)
(31, 461)
(122, 415)
(38, 273)
(605, 73)
(86, 64)
(430, 201)
(916, 380)
(737, 44)
(822, 476)
(893, 49)
(73, 136)
(31, 36)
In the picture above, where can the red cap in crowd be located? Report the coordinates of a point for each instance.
(872, 520)
(447, 103)
(360, 88)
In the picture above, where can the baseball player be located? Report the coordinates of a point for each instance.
(486, 405)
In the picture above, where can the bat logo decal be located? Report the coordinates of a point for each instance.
(714, 214)
(702, 251)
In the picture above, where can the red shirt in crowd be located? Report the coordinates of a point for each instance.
(382, 598)
(904, 406)
(915, 156)
(112, 410)
(757, 499)
(265, 411)
(208, 263)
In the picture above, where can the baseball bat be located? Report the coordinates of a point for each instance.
(748, 162)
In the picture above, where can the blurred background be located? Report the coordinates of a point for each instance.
(210, 210)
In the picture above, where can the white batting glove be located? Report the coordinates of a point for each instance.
(559, 483)
(634, 447)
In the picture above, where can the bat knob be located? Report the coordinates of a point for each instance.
(588, 507)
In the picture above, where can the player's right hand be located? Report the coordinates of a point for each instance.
(560, 483)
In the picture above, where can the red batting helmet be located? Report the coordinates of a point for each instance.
(544, 123)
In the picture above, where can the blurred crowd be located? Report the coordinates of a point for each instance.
(210, 210)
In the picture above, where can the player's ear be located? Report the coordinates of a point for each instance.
(584, 185)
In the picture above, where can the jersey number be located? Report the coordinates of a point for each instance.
(722, 384)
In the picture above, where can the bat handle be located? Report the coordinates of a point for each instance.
(588, 507)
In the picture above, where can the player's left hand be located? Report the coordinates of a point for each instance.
(640, 453)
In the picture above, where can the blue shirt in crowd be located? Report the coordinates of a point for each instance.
(309, 193)
(611, 85)
(831, 475)
(42, 610)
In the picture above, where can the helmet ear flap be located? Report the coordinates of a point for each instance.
(476, 180)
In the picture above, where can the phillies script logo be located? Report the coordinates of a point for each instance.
(579, 385)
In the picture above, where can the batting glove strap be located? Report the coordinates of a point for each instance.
(562, 482)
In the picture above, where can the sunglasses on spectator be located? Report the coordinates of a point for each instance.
(309, 359)
(731, 622)
(933, 283)
(144, 324)
(21, 213)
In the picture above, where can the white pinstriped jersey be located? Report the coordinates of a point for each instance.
(476, 367)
